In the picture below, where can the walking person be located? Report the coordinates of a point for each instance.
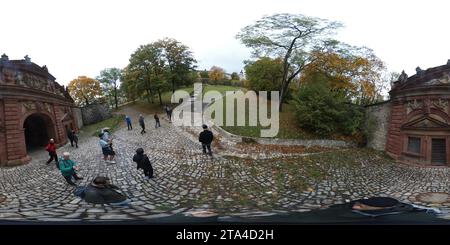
(108, 153)
(128, 120)
(70, 136)
(142, 123)
(169, 113)
(68, 168)
(75, 138)
(143, 162)
(107, 137)
(51, 148)
(166, 109)
(157, 123)
(206, 137)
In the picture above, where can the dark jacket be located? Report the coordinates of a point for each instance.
(206, 137)
(103, 194)
(141, 121)
(142, 161)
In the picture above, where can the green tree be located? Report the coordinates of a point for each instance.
(265, 74)
(110, 79)
(291, 37)
(148, 67)
(179, 59)
(324, 111)
(235, 76)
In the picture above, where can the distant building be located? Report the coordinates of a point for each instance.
(33, 109)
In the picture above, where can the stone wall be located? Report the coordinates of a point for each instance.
(286, 142)
(78, 116)
(95, 113)
(377, 125)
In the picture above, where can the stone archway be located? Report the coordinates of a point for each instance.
(38, 129)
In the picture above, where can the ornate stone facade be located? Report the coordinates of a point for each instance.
(419, 123)
(33, 109)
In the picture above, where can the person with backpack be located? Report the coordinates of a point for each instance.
(157, 123)
(68, 168)
(206, 137)
(51, 148)
(143, 162)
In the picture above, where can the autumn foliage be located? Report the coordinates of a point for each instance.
(85, 90)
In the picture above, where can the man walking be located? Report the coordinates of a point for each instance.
(51, 148)
(157, 124)
(70, 136)
(128, 120)
(68, 169)
(169, 113)
(142, 124)
(206, 137)
(143, 162)
(75, 138)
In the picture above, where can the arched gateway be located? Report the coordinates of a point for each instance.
(33, 109)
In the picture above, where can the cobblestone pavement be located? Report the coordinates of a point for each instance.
(186, 180)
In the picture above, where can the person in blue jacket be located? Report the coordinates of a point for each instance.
(128, 120)
(68, 168)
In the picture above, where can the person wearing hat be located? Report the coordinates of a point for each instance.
(68, 168)
(206, 137)
(143, 162)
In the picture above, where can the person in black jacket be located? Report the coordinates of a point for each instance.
(206, 137)
(143, 163)
(101, 191)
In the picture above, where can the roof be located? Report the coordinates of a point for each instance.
(436, 77)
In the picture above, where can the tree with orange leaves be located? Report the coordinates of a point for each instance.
(85, 90)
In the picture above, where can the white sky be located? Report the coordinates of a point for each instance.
(81, 37)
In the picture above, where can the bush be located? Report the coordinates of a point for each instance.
(325, 112)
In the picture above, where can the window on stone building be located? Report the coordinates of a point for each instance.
(414, 145)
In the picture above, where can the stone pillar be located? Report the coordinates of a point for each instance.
(15, 139)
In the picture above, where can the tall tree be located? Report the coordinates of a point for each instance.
(85, 90)
(149, 68)
(110, 79)
(291, 37)
(179, 59)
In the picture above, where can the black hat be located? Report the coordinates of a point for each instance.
(100, 135)
(204, 126)
(140, 151)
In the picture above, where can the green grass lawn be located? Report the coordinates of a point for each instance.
(94, 129)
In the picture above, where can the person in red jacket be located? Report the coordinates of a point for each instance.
(51, 148)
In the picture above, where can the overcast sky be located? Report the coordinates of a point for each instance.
(81, 37)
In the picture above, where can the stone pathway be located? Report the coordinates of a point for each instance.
(187, 181)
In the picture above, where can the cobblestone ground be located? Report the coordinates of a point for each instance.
(186, 180)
